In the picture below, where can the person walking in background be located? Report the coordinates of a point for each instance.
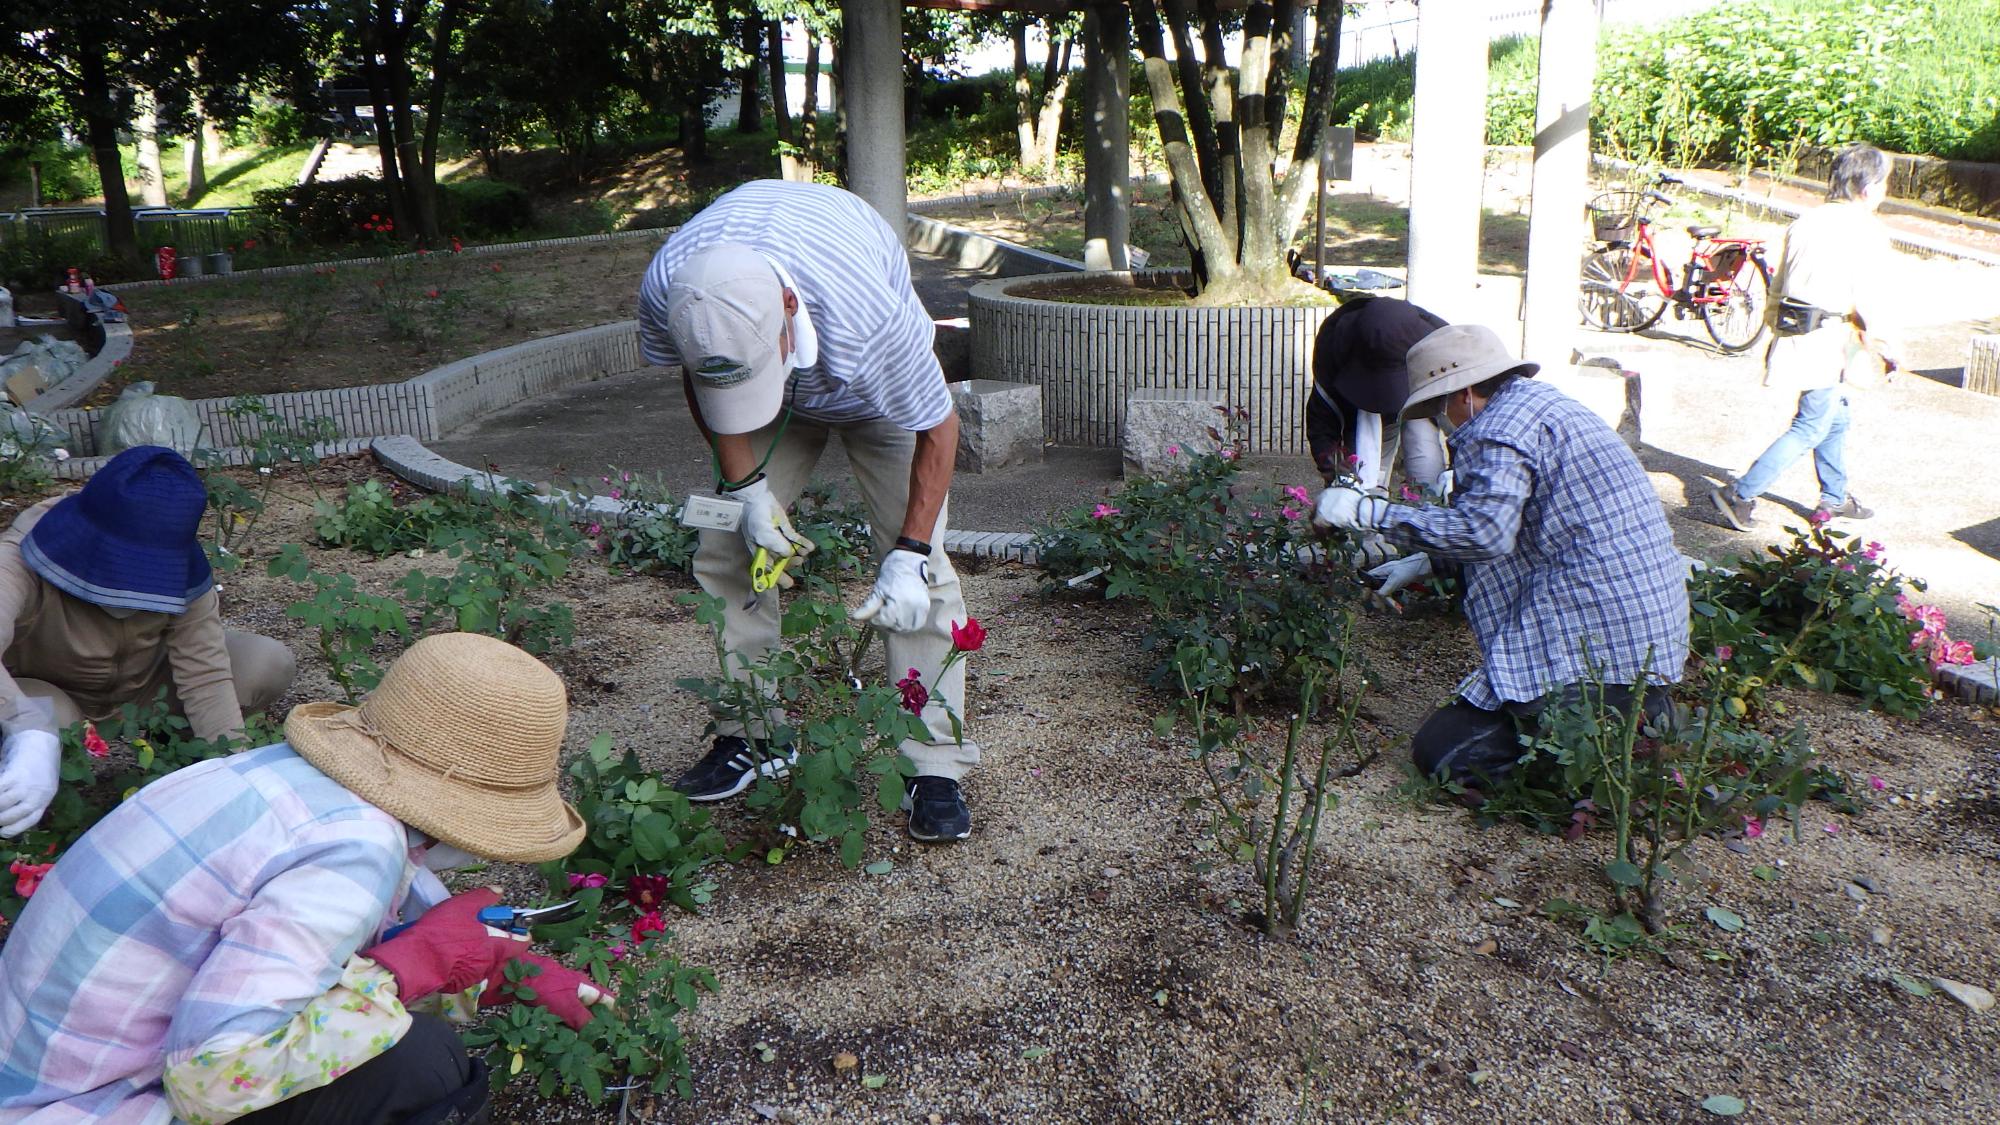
(1829, 322)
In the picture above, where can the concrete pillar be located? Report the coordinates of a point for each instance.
(1107, 136)
(1448, 157)
(871, 86)
(1556, 225)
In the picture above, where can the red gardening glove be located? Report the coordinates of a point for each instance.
(448, 950)
(566, 992)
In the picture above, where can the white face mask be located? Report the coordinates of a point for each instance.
(436, 855)
(121, 612)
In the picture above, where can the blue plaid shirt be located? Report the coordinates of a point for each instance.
(1565, 547)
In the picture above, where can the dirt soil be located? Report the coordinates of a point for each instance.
(1076, 961)
(228, 337)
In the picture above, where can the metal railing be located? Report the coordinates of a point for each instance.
(79, 232)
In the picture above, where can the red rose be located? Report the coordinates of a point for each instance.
(915, 695)
(969, 636)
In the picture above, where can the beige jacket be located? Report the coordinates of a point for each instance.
(1837, 257)
(103, 661)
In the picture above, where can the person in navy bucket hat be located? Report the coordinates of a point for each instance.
(106, 597)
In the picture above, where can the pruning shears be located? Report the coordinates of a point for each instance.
(513, 919)
(763, 573)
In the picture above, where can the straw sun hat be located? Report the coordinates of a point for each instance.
(460, 741)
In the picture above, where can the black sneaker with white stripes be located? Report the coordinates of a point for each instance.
(937, 810)
(732, 765)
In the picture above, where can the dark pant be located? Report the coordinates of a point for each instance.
(425, 1079)
(1470, 743)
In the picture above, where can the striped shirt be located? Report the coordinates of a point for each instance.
(852, 273)
(1571, 570)
(201, 915)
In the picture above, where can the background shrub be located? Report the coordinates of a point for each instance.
(485, 208)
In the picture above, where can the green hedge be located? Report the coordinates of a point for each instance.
(1753, 78)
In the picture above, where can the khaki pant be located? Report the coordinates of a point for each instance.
(880, 453)
(262, 668)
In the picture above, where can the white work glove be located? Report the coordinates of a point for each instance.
(1398, 573)
(1444, 483)
(29, 774)
(901, 600)
(765, 523)
(1345, 506)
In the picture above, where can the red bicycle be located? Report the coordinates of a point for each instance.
(1626, 287)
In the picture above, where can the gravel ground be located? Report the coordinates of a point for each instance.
(1072, 962)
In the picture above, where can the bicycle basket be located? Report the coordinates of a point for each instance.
(1614, 214)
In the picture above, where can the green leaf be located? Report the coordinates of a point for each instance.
(880, 867)
(1723, 1105)
(874, 1081)
(1765, 872)
(1724, 919)
(1912, 985)
(653, 836)
(1624, 873)
(1035, 1052)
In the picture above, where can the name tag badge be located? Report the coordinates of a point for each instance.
(712, 513)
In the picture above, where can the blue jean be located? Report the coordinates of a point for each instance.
(1819, 426)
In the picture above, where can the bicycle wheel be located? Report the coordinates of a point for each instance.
(1737, 323)
(1618, 293)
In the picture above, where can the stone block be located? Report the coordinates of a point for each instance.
(1976, 683)
(999, 424)
(1164, 425)
(1606, 386)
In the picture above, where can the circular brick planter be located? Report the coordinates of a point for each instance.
(1089, 358)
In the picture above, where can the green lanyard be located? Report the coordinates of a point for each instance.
(724, 484)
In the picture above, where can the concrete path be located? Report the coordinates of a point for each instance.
(1920, 450)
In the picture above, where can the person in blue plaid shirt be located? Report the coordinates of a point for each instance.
(1571, 574)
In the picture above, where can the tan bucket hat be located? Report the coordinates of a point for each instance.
(1455, 357)
(460, 741)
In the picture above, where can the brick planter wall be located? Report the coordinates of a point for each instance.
(427, 406)
(1088, 358)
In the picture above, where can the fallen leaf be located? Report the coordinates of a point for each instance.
(1035, 1052)
(1723, 1105)
(1724, 919)
(1507, 902)
(874, 1081)
(880, 867)
(1487, 948)
(1912, 985)
(845, 1060)
(1479, 1077)
(767, 1112)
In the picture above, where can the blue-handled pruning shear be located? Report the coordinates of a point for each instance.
(514, 919)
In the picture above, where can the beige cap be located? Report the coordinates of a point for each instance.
(1455, 357)
(725, 308)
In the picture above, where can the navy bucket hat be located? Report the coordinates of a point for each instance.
(131, 538)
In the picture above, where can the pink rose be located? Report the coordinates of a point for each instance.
(1103, 511)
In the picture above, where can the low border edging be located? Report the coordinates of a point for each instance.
(973, 250)
(90, 374)
(415, 462)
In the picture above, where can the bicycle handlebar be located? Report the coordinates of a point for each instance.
(1668, 178)
(1658, 197)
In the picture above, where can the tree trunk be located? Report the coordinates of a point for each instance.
(749, 114)
(101, 130)
(373, 52)
(1284, 53)
(1220, 87)
(694, 133)
(1024, 91)
(1263, 246)
(417, 201)
(1050, 131)
(809, 112)
(194, 163)
(441, 60)
(1199, 121)
(146, 139)
(1204, 229)
(781, 110)
(1321, 79)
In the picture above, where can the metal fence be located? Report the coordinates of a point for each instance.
(78, 233)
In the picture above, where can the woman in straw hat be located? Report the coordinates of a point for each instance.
(1571, 574)
(106, 599)
(214, 948)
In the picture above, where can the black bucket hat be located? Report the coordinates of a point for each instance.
(1361, 353)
